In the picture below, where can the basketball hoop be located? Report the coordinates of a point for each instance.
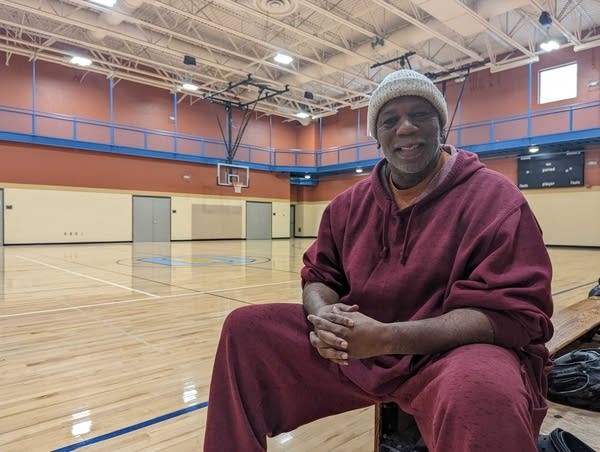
(237, 186)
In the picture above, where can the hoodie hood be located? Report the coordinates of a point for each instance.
(461, 166)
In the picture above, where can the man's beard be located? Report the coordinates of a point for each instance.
(407, 178)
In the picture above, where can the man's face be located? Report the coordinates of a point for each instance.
(408, 131)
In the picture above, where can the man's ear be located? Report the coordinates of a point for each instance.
(378, 145)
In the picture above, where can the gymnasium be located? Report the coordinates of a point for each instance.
(164, 162)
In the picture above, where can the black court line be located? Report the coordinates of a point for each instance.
(573, 288)
(230, 298)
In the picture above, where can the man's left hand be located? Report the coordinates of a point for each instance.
(363, 338)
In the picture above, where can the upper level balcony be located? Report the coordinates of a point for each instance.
(565, 128)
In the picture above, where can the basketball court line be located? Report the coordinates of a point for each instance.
(87, 276)
(192, 292)
(573, 288)
(248, 267)
(132, 428)
(106, 270)
(252, 286)
(94, 305)
(155, 298)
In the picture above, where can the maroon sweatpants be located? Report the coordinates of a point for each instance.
(268, 379)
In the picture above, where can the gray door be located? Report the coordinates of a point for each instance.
(151, 219)
(1, 216)
(258, 220)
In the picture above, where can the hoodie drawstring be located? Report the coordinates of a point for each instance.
(385, 249)
(406, 237)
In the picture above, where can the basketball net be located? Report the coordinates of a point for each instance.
(237, 186)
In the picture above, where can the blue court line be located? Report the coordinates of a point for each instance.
(132, 428)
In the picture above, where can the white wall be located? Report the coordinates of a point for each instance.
(280, 227)
(308, 218)
(181, 221)
(569, 216)
(64, 216)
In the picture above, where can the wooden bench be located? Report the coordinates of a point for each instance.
(570, 324)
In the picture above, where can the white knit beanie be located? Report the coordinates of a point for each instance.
(405, 82)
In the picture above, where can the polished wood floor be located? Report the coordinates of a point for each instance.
(113, 344)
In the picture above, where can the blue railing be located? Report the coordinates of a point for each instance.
(567, 124)
(551, 122)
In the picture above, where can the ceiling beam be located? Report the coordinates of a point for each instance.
(556, 23)
(397, 11)
(497, 31)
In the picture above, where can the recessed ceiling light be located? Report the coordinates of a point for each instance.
(108, 3)
(189, 87)
(283, 58)
(302, 115)
(81, 61)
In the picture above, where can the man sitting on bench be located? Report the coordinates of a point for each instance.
(428, 285)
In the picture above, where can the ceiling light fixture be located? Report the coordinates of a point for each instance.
(533, 149)
(549, 45)
(81, 61)
(283, 58)
(302, 115)
(307, 176)
(358, 170)
(189, 87)
(107, 3)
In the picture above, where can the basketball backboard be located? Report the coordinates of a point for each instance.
(236, 176)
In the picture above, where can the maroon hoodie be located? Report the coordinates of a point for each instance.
(470, 242)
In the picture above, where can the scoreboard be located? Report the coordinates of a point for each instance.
(551, 170)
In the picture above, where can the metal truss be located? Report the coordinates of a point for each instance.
(341, 49)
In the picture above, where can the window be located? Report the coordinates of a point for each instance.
(558, 83)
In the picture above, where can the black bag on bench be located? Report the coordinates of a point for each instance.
(575, 379)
